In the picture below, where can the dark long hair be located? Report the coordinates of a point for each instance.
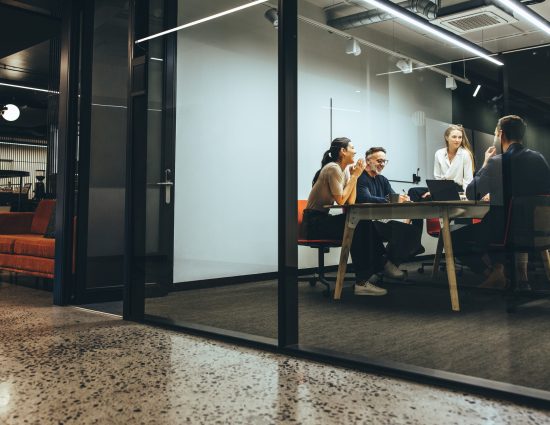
(332, 154)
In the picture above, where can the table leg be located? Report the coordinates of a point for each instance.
(450, 261)
(437, 258)
(546, 261)
(344, 255)
(19, 198)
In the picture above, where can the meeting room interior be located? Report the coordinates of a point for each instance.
(228, 131)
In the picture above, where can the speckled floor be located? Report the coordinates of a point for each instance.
(62, 365)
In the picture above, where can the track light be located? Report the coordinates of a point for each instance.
(477, 90)
(9, 112)
(450, 83)
(523, 11)
(405, 65)
(272, 16)
(353, 47)
(401, 13)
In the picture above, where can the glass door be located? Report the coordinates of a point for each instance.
(203, 220)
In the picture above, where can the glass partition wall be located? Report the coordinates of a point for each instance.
(218, 176)
(367, 80)
(213, 220)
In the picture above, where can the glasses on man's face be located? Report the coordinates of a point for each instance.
(382, 161)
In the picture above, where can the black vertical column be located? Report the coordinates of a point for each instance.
(52, 118)
(68, 133)
(288, 173)
(136, 170)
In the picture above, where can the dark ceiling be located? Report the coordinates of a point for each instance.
(25, 61)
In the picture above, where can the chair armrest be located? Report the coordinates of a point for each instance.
(15, 222)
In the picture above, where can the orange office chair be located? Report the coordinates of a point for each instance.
(322, 245)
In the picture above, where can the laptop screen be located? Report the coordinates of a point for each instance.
(443, 190)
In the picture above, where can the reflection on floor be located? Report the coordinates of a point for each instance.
(413, 324)
(66, 365)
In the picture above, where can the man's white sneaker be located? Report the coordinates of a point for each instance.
(392, 271)
(367, 288)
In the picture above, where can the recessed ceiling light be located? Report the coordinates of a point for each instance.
(9, 112)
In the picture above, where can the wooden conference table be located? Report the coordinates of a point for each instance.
(444, 210)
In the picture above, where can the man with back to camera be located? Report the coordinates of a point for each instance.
(403, 239)
(518, 171)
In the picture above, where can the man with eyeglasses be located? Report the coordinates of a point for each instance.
(403, 239)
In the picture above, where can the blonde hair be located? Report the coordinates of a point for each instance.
(465, 142)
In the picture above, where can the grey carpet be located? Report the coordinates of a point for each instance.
(413, 324)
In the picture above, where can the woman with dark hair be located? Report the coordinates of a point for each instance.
(336, 181)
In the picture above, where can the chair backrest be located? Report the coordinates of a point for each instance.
(26, 188)
(528, 222)
(42, 215)
(433, 227)
(302, 203)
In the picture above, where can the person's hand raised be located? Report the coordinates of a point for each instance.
(358, 168)
(489, 153)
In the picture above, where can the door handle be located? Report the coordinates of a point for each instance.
(167, 183)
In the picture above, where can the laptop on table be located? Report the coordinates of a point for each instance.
(443, 190)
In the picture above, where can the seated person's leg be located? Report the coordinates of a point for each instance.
(385, 230)
(470, 244)
(404, 241)
(367, 254)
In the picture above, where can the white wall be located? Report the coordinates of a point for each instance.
(226, 138)
(226, 148)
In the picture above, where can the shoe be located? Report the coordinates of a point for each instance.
(523, 286)
(392, 271)
(367, 288)
(496, 279)
(420, 250)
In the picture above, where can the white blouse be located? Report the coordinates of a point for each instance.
(460, 170)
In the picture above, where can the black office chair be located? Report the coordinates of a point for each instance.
(527, 231)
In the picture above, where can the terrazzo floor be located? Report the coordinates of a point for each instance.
(63, 365)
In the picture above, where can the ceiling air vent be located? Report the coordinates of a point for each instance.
(475, 19)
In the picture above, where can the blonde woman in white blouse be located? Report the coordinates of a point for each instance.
(456, 161)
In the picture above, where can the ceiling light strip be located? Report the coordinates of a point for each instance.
(28, 88)
(30, 145)
(200, 21)
(527, 13)
(413, 19)
(477, 90)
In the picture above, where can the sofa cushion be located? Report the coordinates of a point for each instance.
(30, 265)
(34, 246)
(50, 229)
(42, 215)
(6, 244)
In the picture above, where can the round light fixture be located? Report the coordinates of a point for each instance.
(10, 112)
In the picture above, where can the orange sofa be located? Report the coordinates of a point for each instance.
(23, 247)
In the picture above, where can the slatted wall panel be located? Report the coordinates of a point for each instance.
(23, 158)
